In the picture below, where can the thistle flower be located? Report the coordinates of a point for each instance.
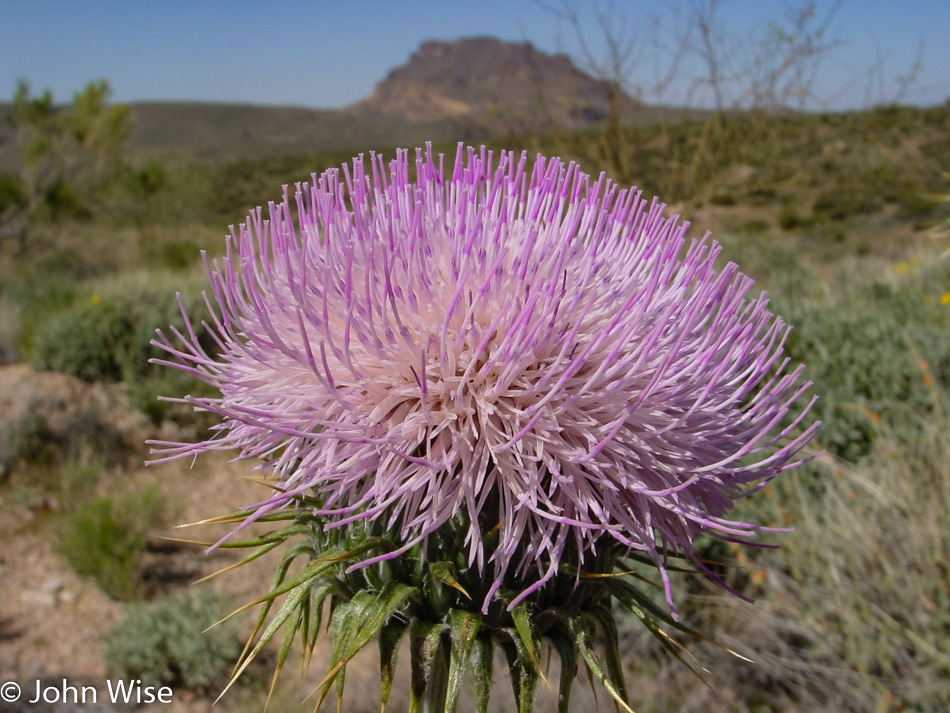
(517, 345)
(513, 367)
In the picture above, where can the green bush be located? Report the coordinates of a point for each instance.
(11, 192)
(108, 339)
(30, 441)
(147, 381)
(166, 644)
(40, 288)
(762, 195)
(753, 226)
(846, 201)
(77, 479)
(88, 340)
(27, 440)
(914, 204)
(879, 359)
(789, 217)
(105, 538)
(726, 199)
(144, 182)
(178, 255)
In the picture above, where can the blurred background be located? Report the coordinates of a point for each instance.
(811, 138)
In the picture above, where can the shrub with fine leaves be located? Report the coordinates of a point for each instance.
(165, 644)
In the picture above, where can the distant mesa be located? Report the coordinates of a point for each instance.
(500, 85)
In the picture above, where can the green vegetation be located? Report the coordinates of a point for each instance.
(105, 538)
(831, 167)
(68, 158)
(84, 340)
(105, 335)
(877, 359)
(166, 644)
(77, 482)
(27, 440)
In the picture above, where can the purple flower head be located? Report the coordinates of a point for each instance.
(517, 345)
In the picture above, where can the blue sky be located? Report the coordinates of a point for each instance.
(326, 54)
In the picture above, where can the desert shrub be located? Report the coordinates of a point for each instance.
(773, 264)
(753, 226)
(726, 199)
(145, 181)
(105, 538)
(861, 362)
(104, 337)
(40, 288)
(174, 249)
(151, 309)
(845, 201)
(87, 340)
(11, 192)
(59, 486)
(27, 440)
(915, 204)
(147, 381)
(166, 644)
(789, 217)
(46, 271)
(177, 255)
(77, 480)
(762, 194)
(144, 392)
(878, 357)
(107, 338)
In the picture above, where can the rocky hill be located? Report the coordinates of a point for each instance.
(484, 81)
